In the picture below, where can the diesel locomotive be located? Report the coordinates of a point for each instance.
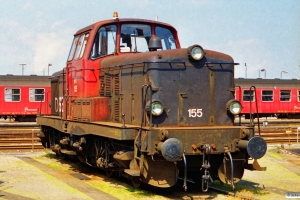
(133, 102)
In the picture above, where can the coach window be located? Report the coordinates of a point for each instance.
(36, 94)
(285, 95)
(298, 95)
(105, 42)
(248, 95)
(166, 36)
(12, 94)
(267, 95)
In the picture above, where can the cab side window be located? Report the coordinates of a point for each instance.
(78, 47)
(105, 42)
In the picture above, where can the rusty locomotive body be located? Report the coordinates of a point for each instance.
(132, 101)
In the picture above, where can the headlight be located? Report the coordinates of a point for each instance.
(196, 52)
(234, 107)
(157, 108)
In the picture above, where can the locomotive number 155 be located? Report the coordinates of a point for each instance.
(195, 112)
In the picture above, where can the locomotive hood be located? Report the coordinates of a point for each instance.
(175, 55)
(177, 79)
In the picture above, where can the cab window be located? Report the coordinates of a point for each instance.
(105, 42)
(78, 47)
(135, 37)
(166, 36)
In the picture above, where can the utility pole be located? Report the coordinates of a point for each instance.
(48, 67)
(22, 64)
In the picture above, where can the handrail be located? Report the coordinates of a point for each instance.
(251, 117)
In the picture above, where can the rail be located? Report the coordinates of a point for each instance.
(280, 134)
(19, 137)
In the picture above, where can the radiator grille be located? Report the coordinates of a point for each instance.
(110, 87)
(117, 97)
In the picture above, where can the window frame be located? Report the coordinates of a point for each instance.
(78, 46)
(12, 88)
(93, 55)
(30, 96)
(267, 95)
(166, 44)
(253, 96)
(281, 96)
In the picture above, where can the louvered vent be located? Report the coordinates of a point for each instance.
(76, 110)
(105, 85)
(117, 97)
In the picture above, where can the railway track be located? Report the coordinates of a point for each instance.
(282, 133)
(19, 137)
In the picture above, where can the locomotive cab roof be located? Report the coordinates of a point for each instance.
(122, 20)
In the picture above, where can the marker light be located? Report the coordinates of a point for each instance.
(115, 15)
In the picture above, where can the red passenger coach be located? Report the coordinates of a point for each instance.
(275, 97)
(23, 97)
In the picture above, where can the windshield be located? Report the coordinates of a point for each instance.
(135, 37)
(104, 43)
(166, 36)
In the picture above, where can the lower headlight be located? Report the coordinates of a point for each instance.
(157, 108)
(234, 107)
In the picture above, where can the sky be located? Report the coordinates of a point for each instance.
(257, 34)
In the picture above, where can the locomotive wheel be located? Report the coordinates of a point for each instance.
(238, 172)
(136, 182)
(109, 173)
(63, 156)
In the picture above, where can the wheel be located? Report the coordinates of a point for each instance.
(78, 163)
(136, 182)
(63, 156)
(237, 173)
(109, 173)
